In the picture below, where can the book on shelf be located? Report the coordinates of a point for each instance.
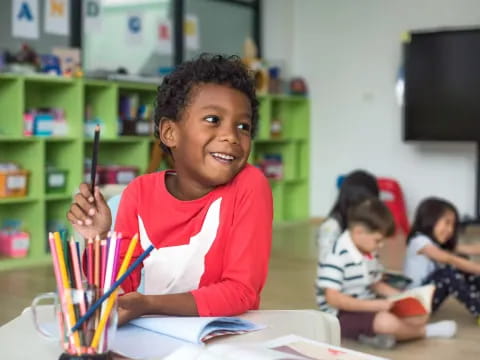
(413, 302)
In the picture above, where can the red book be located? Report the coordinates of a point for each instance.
(417, 301)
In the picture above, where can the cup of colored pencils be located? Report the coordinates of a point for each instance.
(86, 297)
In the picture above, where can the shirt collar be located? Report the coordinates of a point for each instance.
(347, 243)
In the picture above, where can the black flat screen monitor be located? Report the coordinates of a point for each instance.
(442, 86)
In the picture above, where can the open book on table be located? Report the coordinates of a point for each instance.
(291, 347)
(153, 336)
(416, 301)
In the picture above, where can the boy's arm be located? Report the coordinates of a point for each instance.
(383, 289)
(348, 303)
(134, 304)
(246, 254)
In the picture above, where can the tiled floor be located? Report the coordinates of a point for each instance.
(289, 286)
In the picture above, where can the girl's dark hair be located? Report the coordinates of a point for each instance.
(427, 214)
(356, 187)
(374, 215)
(174, 93)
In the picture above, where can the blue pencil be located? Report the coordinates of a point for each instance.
(115, 285)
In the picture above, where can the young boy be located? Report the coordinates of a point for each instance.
(350, 278)
(210, 219)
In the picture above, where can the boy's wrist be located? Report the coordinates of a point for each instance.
(150, 304)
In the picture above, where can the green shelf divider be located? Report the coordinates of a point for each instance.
(17, 200)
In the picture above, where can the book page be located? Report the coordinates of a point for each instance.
(423, 294)
(137, 343)
(314, 350)
(195, 329)
(414, 302)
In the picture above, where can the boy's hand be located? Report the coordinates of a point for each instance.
(383, 304)
(89, 215)
(130, 306)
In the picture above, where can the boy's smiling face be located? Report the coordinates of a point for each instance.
(211, 142)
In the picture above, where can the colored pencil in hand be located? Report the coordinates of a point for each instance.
(93, 170)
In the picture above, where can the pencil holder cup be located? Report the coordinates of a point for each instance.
(92, 340)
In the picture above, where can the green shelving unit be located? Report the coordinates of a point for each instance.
(19, 93)
(290, 193)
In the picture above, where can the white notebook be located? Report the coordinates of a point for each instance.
(155, 336)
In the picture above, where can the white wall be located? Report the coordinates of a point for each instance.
(349, 52)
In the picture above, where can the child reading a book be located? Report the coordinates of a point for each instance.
(356, 187)
(349, 279)
(431, 259)
(209, 219)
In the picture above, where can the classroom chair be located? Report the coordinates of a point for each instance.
(392, 195)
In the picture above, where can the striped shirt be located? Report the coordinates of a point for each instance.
(347, 270)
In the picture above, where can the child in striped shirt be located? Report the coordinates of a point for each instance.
(349, 281)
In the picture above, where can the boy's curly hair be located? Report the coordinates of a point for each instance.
(175, 90)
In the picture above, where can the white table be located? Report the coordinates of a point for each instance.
(19, 339)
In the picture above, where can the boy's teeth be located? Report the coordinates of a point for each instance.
(223, 156)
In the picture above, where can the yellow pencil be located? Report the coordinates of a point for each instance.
(112, 297)
(66, 291)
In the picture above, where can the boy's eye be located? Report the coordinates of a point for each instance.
(245, 127)
(212, 119)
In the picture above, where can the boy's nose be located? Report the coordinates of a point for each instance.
(230, 134)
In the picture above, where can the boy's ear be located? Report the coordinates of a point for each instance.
(168, 132)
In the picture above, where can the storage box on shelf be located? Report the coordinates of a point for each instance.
(283, 130)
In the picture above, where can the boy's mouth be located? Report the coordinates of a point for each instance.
(223, 158)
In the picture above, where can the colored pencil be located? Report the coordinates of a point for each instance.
(76, 272)
(90, 262)
(116, 258)
(117, 283)
(60, 289)
(93, 170)
(77, 280)
(109, 270)
(96, 257)
(103, 320)
(66, 256)
(111, 299)
(70, 314)
(103, 261)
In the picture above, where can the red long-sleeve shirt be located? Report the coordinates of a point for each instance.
(217, 247)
